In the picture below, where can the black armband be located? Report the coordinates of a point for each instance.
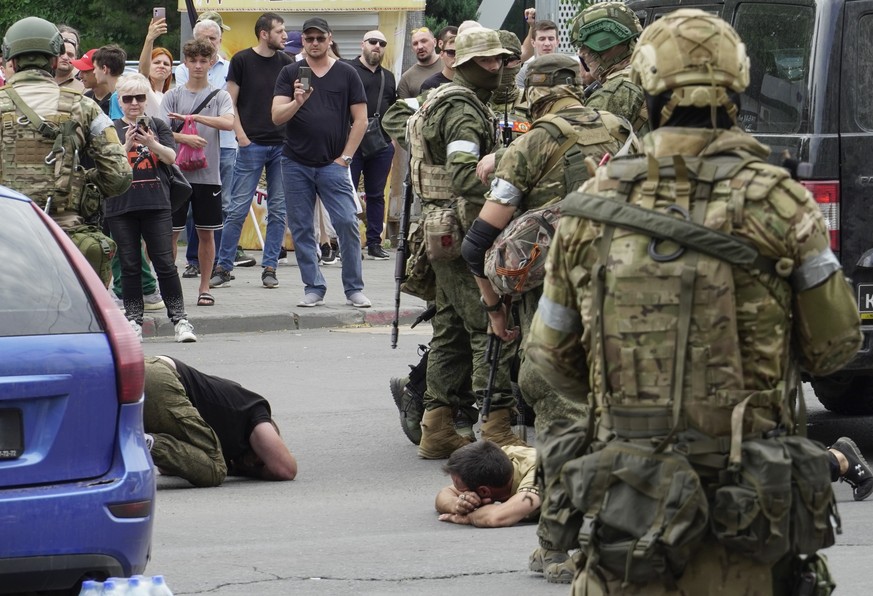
(478, 240)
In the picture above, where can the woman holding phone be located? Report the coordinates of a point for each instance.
(156, 64)
(143, 212)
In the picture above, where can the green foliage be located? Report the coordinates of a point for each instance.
(438, 14)
(100, 22)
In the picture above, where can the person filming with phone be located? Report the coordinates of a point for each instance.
(143, 213)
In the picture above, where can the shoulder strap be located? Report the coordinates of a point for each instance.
(378, 113)
(33, 119)
(198, 109)
(566, 131)
(716, 244)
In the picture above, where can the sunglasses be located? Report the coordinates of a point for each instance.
(315, 39)
(129, 98)
(420, 30)
(449, 53)
(374, 42)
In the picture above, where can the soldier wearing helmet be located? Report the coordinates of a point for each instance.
(538, 169)
(693, 350)
(46, 130)
(605, 34)
(447, 137)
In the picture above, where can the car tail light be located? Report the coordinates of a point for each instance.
(132, 510)
(125, 345)
(827, 195)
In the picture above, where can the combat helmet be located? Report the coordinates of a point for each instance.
(553, 69)
(604, 25)
(694, 54)
(31, 35)
(477, 41)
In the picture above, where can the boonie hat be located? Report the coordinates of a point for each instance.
(211, 15)
(294, 45)
(316, 23)
(477, 41)
(86, 62)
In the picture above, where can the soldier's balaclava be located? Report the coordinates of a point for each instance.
(474, 76)
(507, 92)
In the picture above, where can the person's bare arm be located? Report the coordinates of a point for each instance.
(279, 462)
(452, 501)
(284, 107)
(156, 29)
(498, 515)
(241, 138)
(527, 49)
(359, 127)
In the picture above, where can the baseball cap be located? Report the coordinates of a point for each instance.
(86, 62)
(316, 23)
(213, 16)
(294, 45)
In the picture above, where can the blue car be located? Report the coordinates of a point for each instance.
(77, 485)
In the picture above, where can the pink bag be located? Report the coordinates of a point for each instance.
(189, 158)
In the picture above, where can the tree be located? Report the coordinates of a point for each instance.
(449, 12)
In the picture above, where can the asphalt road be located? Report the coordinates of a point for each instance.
(359, 518)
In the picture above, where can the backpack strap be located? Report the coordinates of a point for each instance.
(565, 131)
(198, 109)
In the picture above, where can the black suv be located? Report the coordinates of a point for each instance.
(811, 95)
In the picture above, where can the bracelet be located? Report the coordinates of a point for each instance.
(490, 307)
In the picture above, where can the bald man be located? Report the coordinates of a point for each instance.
(376, 151)
(427, 64)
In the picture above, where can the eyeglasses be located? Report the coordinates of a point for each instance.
(129, 98)
(449, 53)
(420, 30)
(315, 39)
(374, 42)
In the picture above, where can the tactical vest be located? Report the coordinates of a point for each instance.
(431, 180)
(665, 346)
(39, 156)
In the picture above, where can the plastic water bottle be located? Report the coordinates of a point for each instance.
(91, 588)
(160, 587)
(114, 587)
(137, 586)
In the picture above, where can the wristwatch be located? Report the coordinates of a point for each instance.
(347, 159)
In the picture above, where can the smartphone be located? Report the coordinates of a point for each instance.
(159, 13)
(305, 75)
(142, 124)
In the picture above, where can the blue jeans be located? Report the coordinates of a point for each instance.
(250, 161)
(375, 169)
(225, 169)
(333, 184)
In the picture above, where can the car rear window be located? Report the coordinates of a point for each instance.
(40, 293)
(778, 39)
(864, 85)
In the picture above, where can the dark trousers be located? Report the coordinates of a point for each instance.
(155, 227)
(375, 169)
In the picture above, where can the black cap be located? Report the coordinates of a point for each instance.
(316, 23)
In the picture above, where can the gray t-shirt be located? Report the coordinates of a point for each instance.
(182, 101)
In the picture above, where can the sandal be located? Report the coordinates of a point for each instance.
(205, 299)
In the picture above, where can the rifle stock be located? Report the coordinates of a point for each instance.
(402, 256)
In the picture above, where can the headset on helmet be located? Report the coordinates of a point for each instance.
(694, 54)
(31, 35)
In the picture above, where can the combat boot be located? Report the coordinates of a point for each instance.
(410, 404)
(498, 429)
(438, 437)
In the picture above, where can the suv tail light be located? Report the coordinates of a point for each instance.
(827, 195)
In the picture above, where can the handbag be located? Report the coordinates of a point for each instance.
(180, 188)
(374, 139)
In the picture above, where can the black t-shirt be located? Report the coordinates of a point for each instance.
(103, 103)
(434, 81)
(256, 77)
(372, 83)
(316, 135)
(149, 188)
(229, 408)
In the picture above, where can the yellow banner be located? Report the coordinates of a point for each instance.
(316, 6)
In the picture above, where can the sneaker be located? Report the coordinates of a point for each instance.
(329, 254)
(184, 332)
(358, 300)
(220, 278)
(859, 475)
(377, 253)
(411, 408)
(242, 259)
(268, 278)
(153, 301)
(310, 299)
(191, 270)
(137, 328)
(149, 440)
(283, 256)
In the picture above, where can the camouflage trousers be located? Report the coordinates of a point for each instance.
(456, 367)
(548, 404)
(185, 445)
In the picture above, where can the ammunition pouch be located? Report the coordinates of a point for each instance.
(420, 279)
(442, 235)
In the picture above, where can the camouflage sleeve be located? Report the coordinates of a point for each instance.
(395, 118)
(521, 167)
(466, 139)
(112, 173)
(555, 342)
(622, 99)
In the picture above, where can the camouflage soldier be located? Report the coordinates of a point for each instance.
(605, 34)
(45, 130)
(694, 281)
(448, 135)
(538, 169)
(512, 116)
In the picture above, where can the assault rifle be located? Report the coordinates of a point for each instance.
(507, 130)
(492, 359)
(590, 89)
(402, 256)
